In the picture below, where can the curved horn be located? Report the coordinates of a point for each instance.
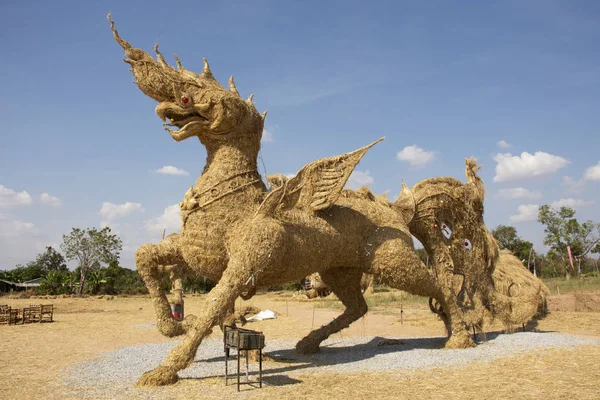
(249, 101)
(473, 177)
(232, 87)
(264, 114)
(160, 57)
(474, 188)
(405, 204)
(178, 61)
(206, 72)
(151, 76)
(121, 42)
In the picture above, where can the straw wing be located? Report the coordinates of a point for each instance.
(316, 186)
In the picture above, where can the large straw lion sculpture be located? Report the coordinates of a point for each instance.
(242, 236)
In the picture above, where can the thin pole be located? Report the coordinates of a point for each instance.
(247, 374)
(260, 368)
(401, 314)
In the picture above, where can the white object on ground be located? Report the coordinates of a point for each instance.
(265, 314)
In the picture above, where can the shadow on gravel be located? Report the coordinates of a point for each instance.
(336, 353)
(280, 380)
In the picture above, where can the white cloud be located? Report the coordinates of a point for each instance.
(169, 220)
(267, 136)
(53, 201)
(14, 228)
(503, 144)
(20, 241)
(573, 186)
(415, 156)
(171, 170)
(111, 211)
(592, 173)
(570, 202)
(11, 198)
(527, 212)
(359, 179)
(518, 193)
(526, 165)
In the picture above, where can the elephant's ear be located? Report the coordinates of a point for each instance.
(316, 186)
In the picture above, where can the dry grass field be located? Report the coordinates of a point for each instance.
(35, 357)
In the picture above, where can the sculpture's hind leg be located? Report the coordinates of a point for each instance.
(345, 284)
(152, 261)
(396, 264)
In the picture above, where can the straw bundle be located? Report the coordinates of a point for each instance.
(519, 296)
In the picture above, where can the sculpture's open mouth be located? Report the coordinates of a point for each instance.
(185, 120)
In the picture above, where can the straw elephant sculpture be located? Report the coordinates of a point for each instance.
(237, 233)
(487, 283)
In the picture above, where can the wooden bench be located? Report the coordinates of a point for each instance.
(14, 316)
(4, 314)
(33, 313)
(47, 312)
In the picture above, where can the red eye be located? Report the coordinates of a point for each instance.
(184, 100)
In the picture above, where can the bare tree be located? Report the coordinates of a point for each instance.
(90, 247)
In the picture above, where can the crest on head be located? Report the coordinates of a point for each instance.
(195, 104)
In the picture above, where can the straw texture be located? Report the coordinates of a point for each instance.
(242, 236)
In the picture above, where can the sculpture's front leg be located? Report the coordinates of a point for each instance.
(152, 261)
(255, 250)
(219, 302)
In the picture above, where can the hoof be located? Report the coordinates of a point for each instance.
(160, 376)
(463, 341)
(307, 346)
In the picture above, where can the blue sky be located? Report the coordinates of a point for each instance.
(442, 80)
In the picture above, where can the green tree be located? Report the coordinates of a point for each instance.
(51, 260)
(95, 279)
(90, 247)
(32, 270)
(69, 281)
(562, 229)
(507, 238)
(53, 282)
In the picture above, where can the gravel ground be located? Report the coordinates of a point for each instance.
(116, 372)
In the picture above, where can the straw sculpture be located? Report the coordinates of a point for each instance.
(236, 233)
(448, 221)
(318, 288)
(519, 296)
(477, 281)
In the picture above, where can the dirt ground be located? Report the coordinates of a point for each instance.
(34, 357)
